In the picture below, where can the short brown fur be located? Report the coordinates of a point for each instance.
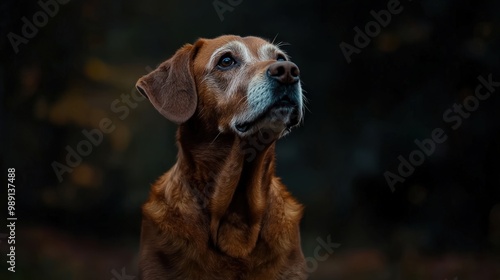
(215, 214)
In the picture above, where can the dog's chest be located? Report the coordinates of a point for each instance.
(189, 253)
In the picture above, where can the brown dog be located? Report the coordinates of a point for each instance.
(220, 212)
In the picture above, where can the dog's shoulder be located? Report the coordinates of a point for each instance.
(173, 209)
(282, 217)
(283, 202)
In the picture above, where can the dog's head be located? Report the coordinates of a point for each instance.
(237, 85)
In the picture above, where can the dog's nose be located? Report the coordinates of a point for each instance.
(285, 72)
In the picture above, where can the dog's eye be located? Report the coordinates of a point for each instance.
(226, 61)
(281, 57)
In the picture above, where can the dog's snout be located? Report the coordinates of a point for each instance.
(285, 72)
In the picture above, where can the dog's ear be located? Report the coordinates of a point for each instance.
(171, 87)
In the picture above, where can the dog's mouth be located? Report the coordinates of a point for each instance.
(284, 108)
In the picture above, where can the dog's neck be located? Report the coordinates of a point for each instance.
(234, 175)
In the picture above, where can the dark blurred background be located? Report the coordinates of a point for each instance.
(442, 222)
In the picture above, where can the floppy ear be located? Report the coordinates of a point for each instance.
(171, 87)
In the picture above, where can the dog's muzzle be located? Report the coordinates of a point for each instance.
(283, 99)
(287, 77)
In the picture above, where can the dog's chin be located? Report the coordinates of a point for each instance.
(273, 124)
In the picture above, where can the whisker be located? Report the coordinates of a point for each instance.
(215, 137)
(281, 44)
(240, 101)
(272, 42)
